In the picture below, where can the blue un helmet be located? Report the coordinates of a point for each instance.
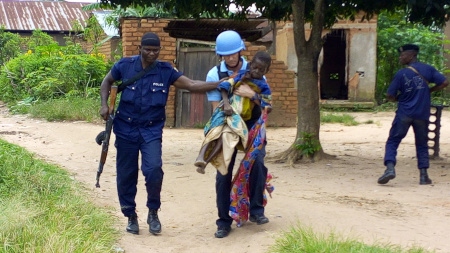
(228, 43)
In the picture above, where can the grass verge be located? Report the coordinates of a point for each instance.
(44, 210)
(70, 109)
(303, 240)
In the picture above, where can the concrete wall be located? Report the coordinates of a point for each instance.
(361, 53)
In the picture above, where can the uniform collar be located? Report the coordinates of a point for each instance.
(223, 67)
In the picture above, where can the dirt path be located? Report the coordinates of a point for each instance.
(339, 195)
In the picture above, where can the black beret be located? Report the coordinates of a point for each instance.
(408, 47)
(150, 39)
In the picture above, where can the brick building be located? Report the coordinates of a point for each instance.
(281, 79)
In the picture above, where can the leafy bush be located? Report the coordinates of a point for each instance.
(9, 45)
(308, 144)
(50, 73)
(38, 38)
(394, 31)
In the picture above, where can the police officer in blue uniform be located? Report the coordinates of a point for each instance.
(229, 46)
(410, 89)
(138, 125)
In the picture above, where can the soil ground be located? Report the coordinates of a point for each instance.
(340, 195)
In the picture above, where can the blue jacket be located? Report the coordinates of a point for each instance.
(412, 92)
(141, 110)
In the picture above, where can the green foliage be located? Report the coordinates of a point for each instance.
(74, 108)
(394, 31)
(39, 38)
(50, 73)
(133, 10)
(93, 32)
(345, 119)
(426, 12)
(9, 45)
(308, 144)
(304, 240)
(44, 210)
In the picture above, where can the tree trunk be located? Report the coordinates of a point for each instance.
(308, 114)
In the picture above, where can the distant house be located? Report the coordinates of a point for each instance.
(54, 18)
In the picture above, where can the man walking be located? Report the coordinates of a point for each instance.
(410, 89)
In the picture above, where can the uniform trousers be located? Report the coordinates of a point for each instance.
(399, 129)
(128, 171)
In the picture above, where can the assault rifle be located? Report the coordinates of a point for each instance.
(104, 136)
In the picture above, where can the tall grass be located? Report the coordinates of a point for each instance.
(304, 240)
(69, 109)
(43, 210)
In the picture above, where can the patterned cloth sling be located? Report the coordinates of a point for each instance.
(239, 208)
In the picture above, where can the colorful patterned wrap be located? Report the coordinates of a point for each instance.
(239, 208)
(230, 129)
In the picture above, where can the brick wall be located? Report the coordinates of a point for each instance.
(110, 48)
(281, 80)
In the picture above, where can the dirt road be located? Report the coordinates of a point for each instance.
(337, 195)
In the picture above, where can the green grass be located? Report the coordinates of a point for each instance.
(44, 210)
(73, 109)
(344, 119)
(304, 240)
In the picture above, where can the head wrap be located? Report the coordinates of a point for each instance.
(407, 47)
(150, 39)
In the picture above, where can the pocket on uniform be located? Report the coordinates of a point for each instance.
(128, 94)
(159, 96)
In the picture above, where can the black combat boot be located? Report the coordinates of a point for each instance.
(424, 179)
(153, 221)
(133, 226)
(389, 174)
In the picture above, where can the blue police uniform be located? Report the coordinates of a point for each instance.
(213, 76)
(138, 126)
(258, 174)
(414, 101)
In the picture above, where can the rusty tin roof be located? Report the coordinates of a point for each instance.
(46, 16)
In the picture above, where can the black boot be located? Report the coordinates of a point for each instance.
(133, 226)
(424, 179)
(389, 174)
(153, 221)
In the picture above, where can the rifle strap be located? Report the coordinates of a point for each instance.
(417, 72)
(137, 76)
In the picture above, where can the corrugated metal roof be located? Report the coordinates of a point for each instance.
(45, 16)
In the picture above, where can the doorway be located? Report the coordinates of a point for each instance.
(332, 72)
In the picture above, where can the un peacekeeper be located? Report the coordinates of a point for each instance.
(229, 46)
(138, 125)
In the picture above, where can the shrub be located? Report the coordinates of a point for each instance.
(49, 73)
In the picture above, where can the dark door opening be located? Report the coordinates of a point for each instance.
(332, 72)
